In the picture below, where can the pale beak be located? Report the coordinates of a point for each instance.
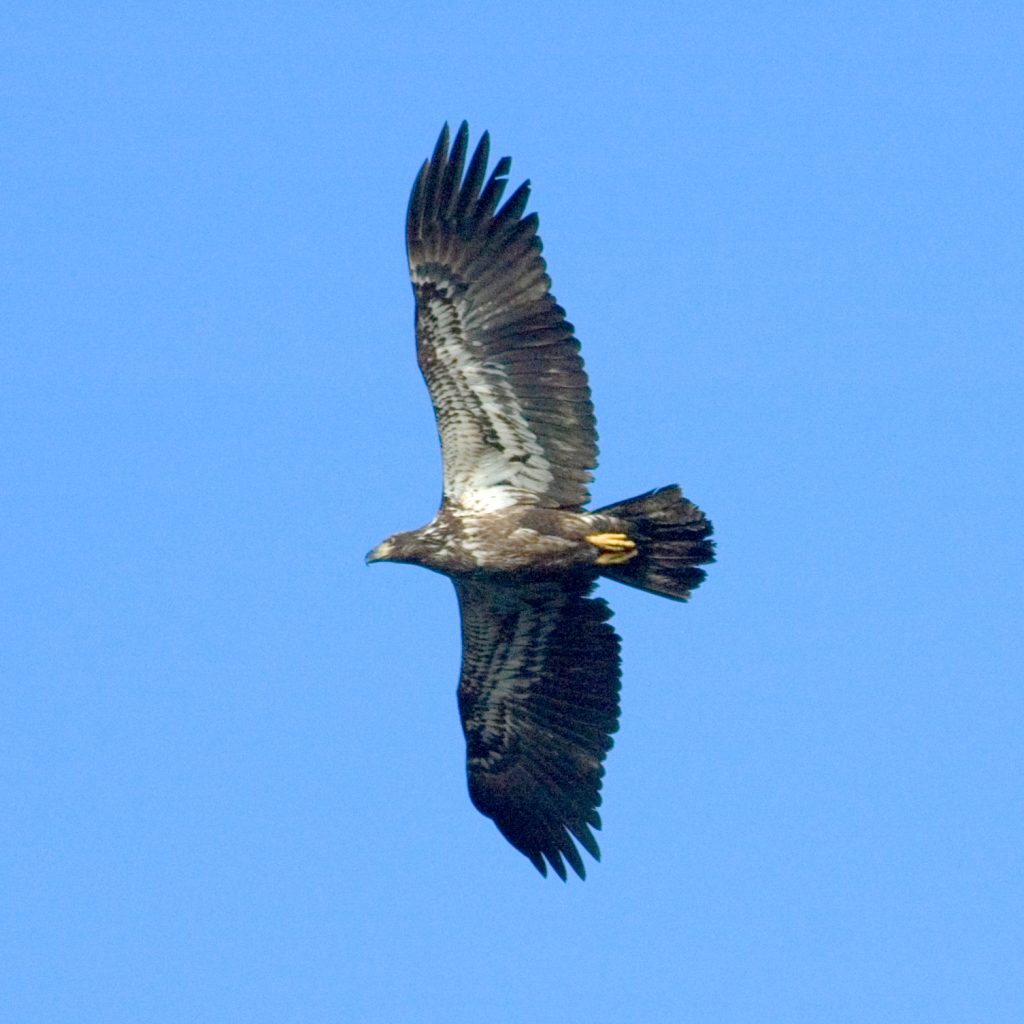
(380, 553)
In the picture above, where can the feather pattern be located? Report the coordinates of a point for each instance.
(500, 360)
(539, 700)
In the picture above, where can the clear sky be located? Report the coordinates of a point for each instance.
(790, 238)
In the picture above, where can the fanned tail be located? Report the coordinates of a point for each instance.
(672, 540)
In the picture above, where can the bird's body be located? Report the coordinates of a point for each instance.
(524, 540)
(539, 687)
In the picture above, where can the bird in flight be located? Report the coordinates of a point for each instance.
(539, 688)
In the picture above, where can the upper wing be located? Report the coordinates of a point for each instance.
(539, 699)
(503, 368)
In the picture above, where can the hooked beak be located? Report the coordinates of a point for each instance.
(380, 553)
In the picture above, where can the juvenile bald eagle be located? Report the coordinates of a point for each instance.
(539, 688)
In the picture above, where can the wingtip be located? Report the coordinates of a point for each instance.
(441, 146)
(539, 863)
(444, 138)
(555, 859)
(586, 839)
(503, 167)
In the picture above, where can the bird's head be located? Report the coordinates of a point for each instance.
(399, 547)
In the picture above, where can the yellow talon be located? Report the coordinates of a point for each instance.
(616, 557)
(615, 548)
(611, 542)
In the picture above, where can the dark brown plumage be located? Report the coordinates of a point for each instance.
(539, 688)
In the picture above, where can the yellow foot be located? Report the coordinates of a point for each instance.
(610, 541)
(615, 548)
(616, 557)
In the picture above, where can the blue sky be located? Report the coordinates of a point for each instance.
(790, 238)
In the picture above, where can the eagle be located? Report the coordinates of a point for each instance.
(538, 692)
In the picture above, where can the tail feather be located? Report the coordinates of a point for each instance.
(672, 539)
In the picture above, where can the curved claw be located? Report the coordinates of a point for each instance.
(615, 548)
